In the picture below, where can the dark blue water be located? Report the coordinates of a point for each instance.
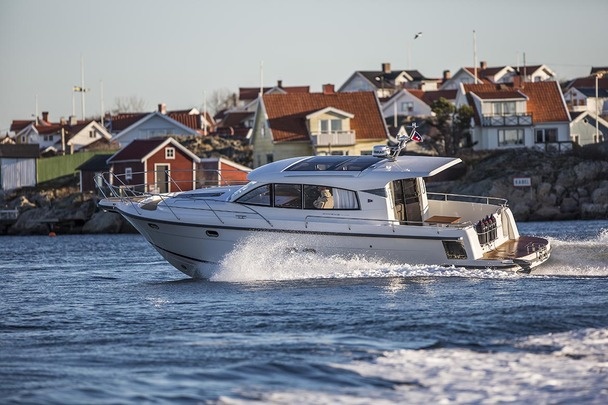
(103, 319)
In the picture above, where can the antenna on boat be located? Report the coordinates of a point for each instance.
(385, 151)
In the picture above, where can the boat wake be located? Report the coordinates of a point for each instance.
(586, 258)
(513, 371)
(273, 259)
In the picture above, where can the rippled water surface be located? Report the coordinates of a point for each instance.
(103, 319)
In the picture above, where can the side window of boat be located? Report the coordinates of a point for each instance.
(323, 197)
(288, 195)
(257, 196)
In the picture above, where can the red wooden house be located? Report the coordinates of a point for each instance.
(154, 165)
(218, 171)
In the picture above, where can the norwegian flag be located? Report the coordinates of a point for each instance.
(416, 137)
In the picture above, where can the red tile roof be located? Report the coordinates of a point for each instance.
(545, 101)
(190, 120)
(18, 125)
(251, 93)
(123, 121)
(287, 114)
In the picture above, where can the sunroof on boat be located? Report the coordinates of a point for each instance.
(333, 163)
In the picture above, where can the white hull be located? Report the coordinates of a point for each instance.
(198, 249)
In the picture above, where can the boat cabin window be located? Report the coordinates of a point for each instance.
(288, 195)
(322, 197)
(298, 196)
(257, 196)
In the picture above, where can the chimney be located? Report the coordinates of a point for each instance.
(162, 108)
(280, 84)
(73, 120)
(328, 89)
(483, 65)
(447, 75)
(386, 68)
(45, 116)
(518, 82)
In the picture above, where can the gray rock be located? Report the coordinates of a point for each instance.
(103, 222)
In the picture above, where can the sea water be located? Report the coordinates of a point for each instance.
(103, 319)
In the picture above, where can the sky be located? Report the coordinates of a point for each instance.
(181, 52)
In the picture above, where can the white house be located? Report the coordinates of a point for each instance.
(586, 128)
(511, 115)
(153, 125)
(405, 104)
(67, 135)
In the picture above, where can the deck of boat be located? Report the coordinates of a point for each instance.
(514, 249)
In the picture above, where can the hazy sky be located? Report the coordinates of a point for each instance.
(177, 51)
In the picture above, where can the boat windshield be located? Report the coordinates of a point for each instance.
(243, 190)
(334, 163)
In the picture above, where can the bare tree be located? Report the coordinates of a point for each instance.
(219, 100)
(128, 104)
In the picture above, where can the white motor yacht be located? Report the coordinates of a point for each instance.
(372, 206)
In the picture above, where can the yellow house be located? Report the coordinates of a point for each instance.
(327, 123)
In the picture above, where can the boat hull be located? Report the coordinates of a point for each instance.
(198, 249)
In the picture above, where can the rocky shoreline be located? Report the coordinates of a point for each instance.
(562, 187)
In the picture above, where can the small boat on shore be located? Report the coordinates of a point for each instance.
(373, 206)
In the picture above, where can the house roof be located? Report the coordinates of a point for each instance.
(151, 116)
(487, 74)
(140, 149)
(587, 92)
(588, 83)
(287, 114)
(545, 102)
(96, 163)
(251, 93)
(22, 150)
(387, 80)
(18, 125)
(119, 122)
(431, 96)
(235, 118)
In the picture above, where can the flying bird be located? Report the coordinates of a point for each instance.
(418, 35)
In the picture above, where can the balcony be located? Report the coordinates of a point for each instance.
(334, 138)
(519, 120)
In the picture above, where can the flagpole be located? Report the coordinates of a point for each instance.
(475, 54)
(82, 85)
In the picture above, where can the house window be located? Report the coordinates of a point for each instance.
(128, 173)
(546, 135)
(327, 126)
(510, 137)
(407, 106)
(169, 153)
(504, 108)
(575, 138)
(269, 158)
(598, 138)
(48, 138)
(91, 134)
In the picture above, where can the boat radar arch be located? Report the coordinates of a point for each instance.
(384, 151)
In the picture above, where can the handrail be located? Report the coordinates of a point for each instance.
(468, 198)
